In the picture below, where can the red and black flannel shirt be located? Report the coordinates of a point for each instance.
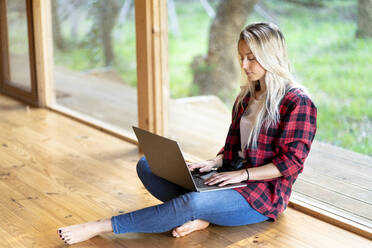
(286, 145)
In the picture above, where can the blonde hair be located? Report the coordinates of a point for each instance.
(267, 44)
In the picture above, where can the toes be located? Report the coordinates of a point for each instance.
(181, 229)
(175, 233)
(65, 237)
(67, 241)
(179, 232)
(61, 231)
(72, 241)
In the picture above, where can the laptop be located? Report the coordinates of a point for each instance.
(165, 159)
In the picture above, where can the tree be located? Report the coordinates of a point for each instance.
(308, 3)
(364, 18)
(104, 15)
(217, 72)
(108, 14)
(57, 34)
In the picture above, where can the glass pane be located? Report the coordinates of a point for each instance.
(328, 59)
(199, 121)
(18, 44)
(95, 59)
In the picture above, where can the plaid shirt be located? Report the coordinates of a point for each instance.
(286, 145)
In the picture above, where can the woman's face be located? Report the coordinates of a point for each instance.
(249, 63)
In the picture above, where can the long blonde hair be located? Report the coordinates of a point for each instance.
(267, 44)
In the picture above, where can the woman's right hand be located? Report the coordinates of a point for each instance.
(203, 166)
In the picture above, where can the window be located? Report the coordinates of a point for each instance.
(328, 59)
(95, 60)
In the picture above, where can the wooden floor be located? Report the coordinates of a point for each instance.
(56, 172)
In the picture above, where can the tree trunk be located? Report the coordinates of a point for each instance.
(57, 35)
(364, 18)
(109, 13)
(217, 73)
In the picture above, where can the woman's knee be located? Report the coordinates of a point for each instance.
(203, 202)
(192, 201)
(142, 166)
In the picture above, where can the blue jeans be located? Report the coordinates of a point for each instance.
(223, 207)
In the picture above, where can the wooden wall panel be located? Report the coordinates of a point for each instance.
(4, 46)
(152, 79)
(42, 21)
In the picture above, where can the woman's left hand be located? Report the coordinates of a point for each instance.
(229, 177)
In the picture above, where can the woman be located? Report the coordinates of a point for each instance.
(272, 129)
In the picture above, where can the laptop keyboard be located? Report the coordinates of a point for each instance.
(199, 179)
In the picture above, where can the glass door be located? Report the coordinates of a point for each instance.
(17, 73)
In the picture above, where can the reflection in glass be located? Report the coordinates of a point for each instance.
(95, 59)
(199, 117)
(18, 45)
(328, 58)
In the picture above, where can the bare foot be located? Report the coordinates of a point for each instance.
(78, 233)
(189, 227)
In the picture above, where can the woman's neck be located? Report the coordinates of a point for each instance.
(262, 89)
(262, 84)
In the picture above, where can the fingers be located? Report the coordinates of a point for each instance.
(193, 166)
(203, 166)
(216, 178)
(204, 169)
(188, 162)
(225, 183)
(221, 179)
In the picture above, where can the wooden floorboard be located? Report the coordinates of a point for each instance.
(56, 172)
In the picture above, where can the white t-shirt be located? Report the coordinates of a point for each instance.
(247, 119)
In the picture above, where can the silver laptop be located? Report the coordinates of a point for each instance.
(166, 161)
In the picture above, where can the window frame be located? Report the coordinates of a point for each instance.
(6, 86)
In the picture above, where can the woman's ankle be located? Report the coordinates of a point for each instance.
(105, 225)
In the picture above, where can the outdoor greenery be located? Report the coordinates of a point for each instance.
(336, 68)
(326, 56)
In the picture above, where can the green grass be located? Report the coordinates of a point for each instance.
(125, 51)
(326, 56)
(192, 41)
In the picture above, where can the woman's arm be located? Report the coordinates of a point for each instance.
(267, 171)
(218, 160)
